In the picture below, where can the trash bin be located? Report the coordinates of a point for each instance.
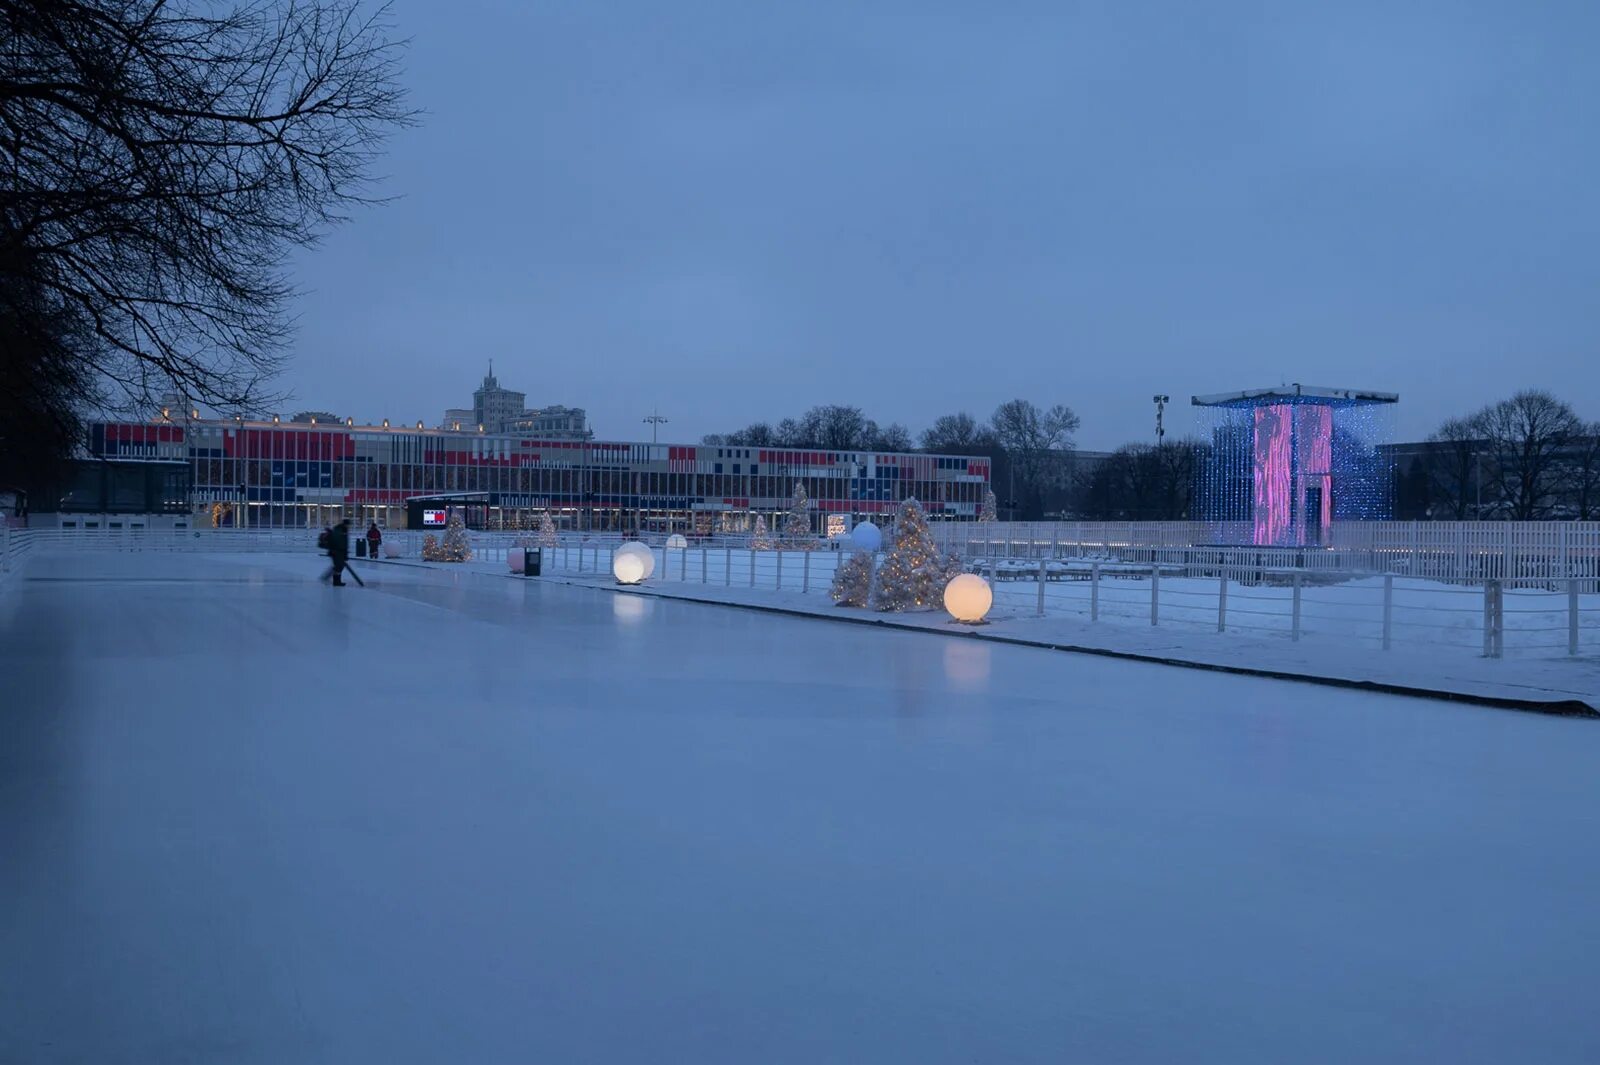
(361, 549)
(530, 562)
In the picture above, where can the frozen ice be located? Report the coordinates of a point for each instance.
(248, 817)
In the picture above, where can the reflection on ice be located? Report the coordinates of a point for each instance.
(630, 609)
(966, 664)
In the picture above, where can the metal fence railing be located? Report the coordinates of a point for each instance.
(1374, 610)
(1280, 593)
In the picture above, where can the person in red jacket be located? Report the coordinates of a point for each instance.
(374, 538)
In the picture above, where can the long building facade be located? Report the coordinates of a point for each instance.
(307, 475)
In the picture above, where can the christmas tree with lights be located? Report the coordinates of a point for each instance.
(913, 573)
(797, 523)
(988, 511)
(455, 547)
(761, 540)
(852, 581)
(547, 531)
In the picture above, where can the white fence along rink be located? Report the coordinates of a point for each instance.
(1480, 588)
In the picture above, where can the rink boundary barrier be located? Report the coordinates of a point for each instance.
(1570, 706)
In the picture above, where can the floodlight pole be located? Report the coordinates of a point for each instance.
(655, 421)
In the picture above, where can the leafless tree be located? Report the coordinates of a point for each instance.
(1141, 482)
(1032, 439)
(1453, 464)
(1581, 474)
(959, 434)
(161, 161)
(1525, 437)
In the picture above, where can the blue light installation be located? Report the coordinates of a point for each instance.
(1285, 463)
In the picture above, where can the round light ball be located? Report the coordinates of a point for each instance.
(968, 598)
(647, 556)
(677, 542)
(866, 537)
(628, 567)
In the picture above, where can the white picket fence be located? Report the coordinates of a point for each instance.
(1453, 551)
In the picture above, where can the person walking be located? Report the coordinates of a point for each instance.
(374, 538)
(338, 551)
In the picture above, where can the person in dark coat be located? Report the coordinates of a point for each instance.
(338, 552)
(374, 538)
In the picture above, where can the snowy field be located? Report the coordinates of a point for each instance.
(245, 817)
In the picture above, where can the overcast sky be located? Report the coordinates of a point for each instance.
(736, 210)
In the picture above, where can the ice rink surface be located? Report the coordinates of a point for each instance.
(245, 817)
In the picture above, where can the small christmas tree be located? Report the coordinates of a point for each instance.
(913, 573)
(760, 540)
(430, 549)
(797, 523)
(988, 512)
(852, 581)
(455, 547)
(547, 531)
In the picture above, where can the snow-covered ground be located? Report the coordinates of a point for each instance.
(1423, 614)
(248, 817)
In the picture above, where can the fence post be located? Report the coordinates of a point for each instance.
(727, 567)
(752, 567)
(805, 573)
(1155, 593)
(1041, 587)
(1388, 610)
(1222, 602)
(779, 584)
(1572, 615)
(1494, 618)
(1294, 624)
(580, 560)
(705, 565)
(1094, 591)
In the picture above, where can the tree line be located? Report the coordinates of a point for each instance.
(1526, 458)
(1023, 441)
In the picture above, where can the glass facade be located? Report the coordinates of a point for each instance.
(263, 474)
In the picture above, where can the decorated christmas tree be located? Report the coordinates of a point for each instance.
(852, 581)
(547, 531)
(455, 547)
(797, 523)
(987, 512)
(760, 540)
(430, 549)
(913, 573)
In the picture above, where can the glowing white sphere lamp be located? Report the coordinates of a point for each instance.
(628, 567)
(677, 542)
(866, 537)
(968, 598)
(646, 556)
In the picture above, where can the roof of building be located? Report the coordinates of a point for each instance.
(1295, 393)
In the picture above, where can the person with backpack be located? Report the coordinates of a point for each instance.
(374, 538)
(336, 541)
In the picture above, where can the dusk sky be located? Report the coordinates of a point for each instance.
(735, 211)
